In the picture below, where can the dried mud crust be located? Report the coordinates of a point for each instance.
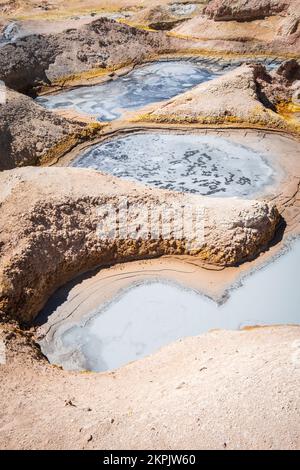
(166, 17)
(43, 9)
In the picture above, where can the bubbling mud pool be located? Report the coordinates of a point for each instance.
(145, 317)
(200, 164)
(145, 85)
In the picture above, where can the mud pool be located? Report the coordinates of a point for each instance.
(200, 164)
(145, 317)
(148, 84)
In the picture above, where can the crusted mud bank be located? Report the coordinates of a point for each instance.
(61, 8)
(31, 135)
(49, 231)
(248, 95)
(46, 59)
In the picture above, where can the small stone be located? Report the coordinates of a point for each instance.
(39, 146)
(180, 385)
(10, 336)
(69, 403)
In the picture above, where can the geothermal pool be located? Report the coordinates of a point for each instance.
(147, 84)
(145, 317)
(199, 164)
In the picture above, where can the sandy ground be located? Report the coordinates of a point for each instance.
(223, 390)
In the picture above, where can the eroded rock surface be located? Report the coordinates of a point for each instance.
(50, 220)
(280, 86)
(31, 135)
(44, 59)
(244, 10)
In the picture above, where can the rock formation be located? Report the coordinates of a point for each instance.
(45, 59)
(280, 85)
(290, 22)
(49, 230)
(244, 10)
(31, 135)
